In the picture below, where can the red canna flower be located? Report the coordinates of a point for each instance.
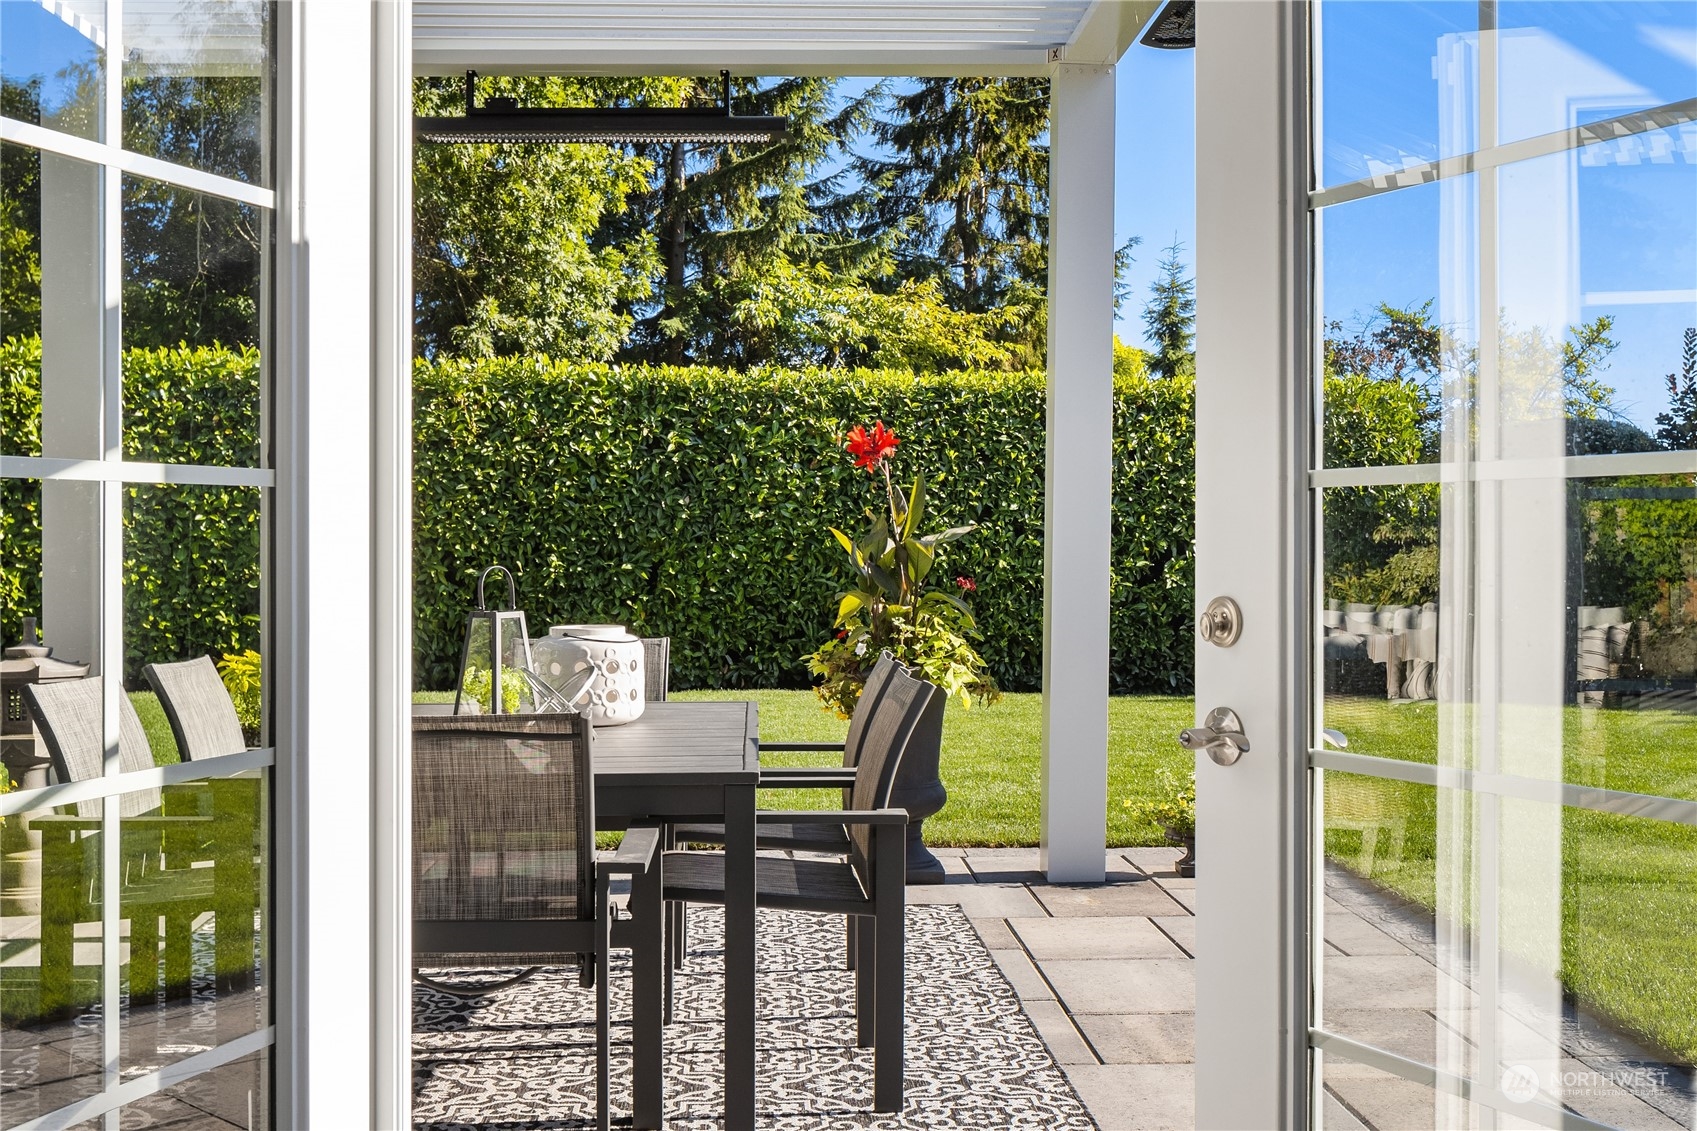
(967, 584)
(870, 449)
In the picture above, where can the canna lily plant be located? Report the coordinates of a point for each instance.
(891, 606)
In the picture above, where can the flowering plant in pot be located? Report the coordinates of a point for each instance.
(892, 605)
(1174, 809)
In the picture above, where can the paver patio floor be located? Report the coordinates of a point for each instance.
(1106, 973)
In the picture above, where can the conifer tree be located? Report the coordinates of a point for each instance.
(1677, 427)
(1169, 318)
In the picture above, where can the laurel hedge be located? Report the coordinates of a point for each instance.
(191, 552)
(691, 503)
(695, 503)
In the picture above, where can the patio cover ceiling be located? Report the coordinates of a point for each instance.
(792, 37)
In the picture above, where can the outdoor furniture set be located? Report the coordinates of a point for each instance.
(504, 874)
(167, 835)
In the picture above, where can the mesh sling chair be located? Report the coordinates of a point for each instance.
(657, 675)
(203, 719)
(807, 836)
(504, 872)
(869, 882)
(155, 849)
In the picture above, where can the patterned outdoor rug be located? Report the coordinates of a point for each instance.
(524, 1058)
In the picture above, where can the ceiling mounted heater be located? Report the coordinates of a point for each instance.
(502, 119)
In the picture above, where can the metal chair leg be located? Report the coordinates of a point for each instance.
(890, 878)
(865, 974)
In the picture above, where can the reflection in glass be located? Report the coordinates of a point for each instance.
(1571, 61)
(237, 1095)
(196, 976)
(1380, 626)
(52, 65)
(1356, 1096)
(196, 84)
(1397, 85)
(1589, 983)
(1597, 288)
(50, 955)
(191, 574)
(1397, 317)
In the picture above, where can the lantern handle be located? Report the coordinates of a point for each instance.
(512, 592)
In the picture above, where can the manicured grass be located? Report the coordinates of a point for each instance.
(157, 726)
(1628, 884)
(992, 761)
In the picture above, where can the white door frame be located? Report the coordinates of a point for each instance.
(1253, 435)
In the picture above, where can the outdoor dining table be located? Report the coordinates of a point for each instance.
(688, 762)
(684, 761)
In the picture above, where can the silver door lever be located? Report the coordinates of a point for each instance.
(1221, 735)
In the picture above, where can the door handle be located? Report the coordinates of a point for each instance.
(1221, 735)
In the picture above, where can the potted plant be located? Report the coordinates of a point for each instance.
(893, 607)
(1174, 809)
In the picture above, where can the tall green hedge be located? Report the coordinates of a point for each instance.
(687, 502)
(191, 553)
(695, 503)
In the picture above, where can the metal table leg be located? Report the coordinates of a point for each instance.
(648, 959)
(739, 957)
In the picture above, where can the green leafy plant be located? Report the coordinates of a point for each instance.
(891, 607)
(240, 673)
(477, 687)
(1174, 805)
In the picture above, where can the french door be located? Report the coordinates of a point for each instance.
(1447, 468)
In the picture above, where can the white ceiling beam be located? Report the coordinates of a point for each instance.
(1107, 31)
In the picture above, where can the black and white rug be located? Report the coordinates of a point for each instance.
(523, 1059)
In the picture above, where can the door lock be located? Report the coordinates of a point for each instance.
(1221, 623)
(1221, 735)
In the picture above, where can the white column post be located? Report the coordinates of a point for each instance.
(1078, 491)
(328, 1042)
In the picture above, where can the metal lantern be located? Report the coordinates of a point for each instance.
(495, 662)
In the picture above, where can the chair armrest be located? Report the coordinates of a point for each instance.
(636, 852)
(831, 817)
(821, 747)
(805, 777)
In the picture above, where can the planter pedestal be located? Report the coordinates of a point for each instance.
(918, 788)
(1187, 862)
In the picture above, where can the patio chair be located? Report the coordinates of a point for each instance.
(155, 849)
(203, 719)
(504, 872)
(803, 836)
(869, 882)
(657, 676)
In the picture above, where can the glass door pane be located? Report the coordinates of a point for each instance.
(1504, 839)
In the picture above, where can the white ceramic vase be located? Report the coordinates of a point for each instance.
(614, 693)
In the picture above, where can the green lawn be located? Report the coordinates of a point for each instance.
(992, 761)
(1628, 884)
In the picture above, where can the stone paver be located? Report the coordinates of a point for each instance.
(1056, 1028)
(1137, 1097)
(1119, 936)
(1144, 897)
(1141, 1038)
(1124, 985)
(1180, 928)
(1022, 975)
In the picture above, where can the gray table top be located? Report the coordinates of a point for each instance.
(713, 743)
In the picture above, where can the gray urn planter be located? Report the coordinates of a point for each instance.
(918, 788)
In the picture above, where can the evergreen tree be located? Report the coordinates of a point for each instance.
(1169, 318)
(964, 177)
(1677, 427)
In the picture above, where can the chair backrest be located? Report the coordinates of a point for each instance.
(503, 822)
(203, 718)
(657, 675)
(68, 715)
(870, 696)
(899, 715)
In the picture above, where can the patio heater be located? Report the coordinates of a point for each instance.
(495, 660)
(502, 119)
